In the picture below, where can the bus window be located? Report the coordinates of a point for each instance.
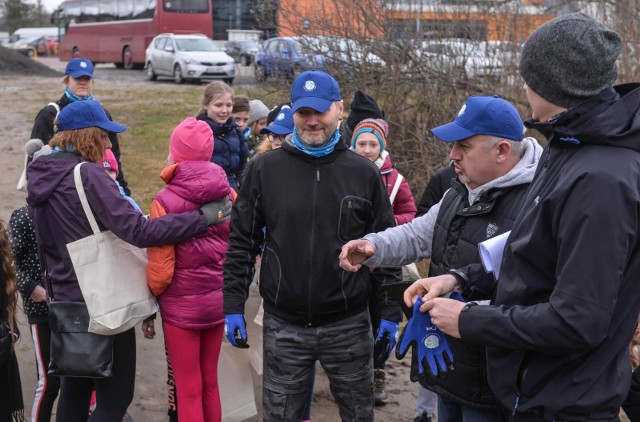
(144, 10)
(125, 9)
(186, 6)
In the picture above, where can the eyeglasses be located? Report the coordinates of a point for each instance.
(276, 138)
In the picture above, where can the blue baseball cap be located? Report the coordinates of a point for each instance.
(79, 67)
(283, 123)
(314, 89)
(87, 113)
(483, 115)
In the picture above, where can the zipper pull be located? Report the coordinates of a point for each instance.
(317, 175)
(515, 406)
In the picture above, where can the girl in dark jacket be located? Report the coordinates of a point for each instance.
(231, 153)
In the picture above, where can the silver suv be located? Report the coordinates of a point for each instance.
(188, 57)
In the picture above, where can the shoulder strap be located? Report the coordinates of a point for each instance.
(396, 186)
(83, 198)
(56, 106)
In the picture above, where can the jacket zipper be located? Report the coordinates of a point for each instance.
(313, 216)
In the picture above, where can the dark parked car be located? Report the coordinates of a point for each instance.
(243, 52)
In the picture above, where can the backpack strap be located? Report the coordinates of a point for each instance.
(396, 187)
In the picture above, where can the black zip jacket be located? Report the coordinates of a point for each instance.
(310, 208)
(43, 129)
(567, 300)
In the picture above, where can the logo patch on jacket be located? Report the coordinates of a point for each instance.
(492, 228)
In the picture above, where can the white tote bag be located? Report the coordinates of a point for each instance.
(112, 275)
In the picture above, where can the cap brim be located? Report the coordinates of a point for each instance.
(112, 127)
(452, 132)
(277, 129)
(81, 73)
(318, 104)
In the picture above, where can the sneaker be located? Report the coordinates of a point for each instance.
(379, 395)
(424, 417)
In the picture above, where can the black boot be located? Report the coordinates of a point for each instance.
(380, 396)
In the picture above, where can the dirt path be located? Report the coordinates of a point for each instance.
(22, 97)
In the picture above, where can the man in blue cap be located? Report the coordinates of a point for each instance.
(495, 165)
(312, 195)
(78, 80)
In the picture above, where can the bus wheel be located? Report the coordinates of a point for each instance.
(127, 58)
(151, 75)
(177, 74)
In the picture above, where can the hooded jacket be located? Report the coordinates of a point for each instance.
(231, 152)
(567, 301)
(59, 219)
(187, 277)
(404, 207)
(310, 206)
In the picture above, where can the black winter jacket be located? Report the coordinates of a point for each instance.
(310, 207)
(43, 129)
(567, 301)
(458, 230)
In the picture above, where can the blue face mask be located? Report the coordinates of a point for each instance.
(316, 152)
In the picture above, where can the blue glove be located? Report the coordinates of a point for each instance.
(385, 342)
(236, 330)
(428, 342)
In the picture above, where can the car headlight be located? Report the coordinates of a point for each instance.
(188, 61)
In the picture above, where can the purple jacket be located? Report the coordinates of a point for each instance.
(59, 219)
(193, 300)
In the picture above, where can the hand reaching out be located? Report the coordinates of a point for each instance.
(354, 253)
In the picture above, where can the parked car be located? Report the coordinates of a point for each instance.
(466, 59)
(188, 57)
(284, 56)
(243, 52)
(287, 56)
(42, 45)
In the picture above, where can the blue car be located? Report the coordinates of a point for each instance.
(284, 56)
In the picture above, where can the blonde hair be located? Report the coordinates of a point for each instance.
(264, 146)
(213, 90)
(88, 142)
(10, 280)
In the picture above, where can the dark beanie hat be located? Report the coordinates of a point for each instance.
(363, 107)
(570, 59)
(275, 111)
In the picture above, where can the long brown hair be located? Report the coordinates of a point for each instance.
(88, 142)
(10, 278)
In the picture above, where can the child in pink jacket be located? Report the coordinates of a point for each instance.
(187, 277)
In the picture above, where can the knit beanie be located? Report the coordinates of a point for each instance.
(191, 140)
(109, 161)
(570, 59)
(257, 111)
(363, 107)
(375, 126)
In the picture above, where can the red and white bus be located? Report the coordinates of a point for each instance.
(119, 31)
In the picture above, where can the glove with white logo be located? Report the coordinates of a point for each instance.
(385, 342)
(430, 347)
(236, 330)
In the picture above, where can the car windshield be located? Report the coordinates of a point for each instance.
(196, 44)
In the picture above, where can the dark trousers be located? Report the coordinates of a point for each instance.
(344, 349)
(113, 395)
(48, 387)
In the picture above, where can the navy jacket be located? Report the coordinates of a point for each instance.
(567, 301)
